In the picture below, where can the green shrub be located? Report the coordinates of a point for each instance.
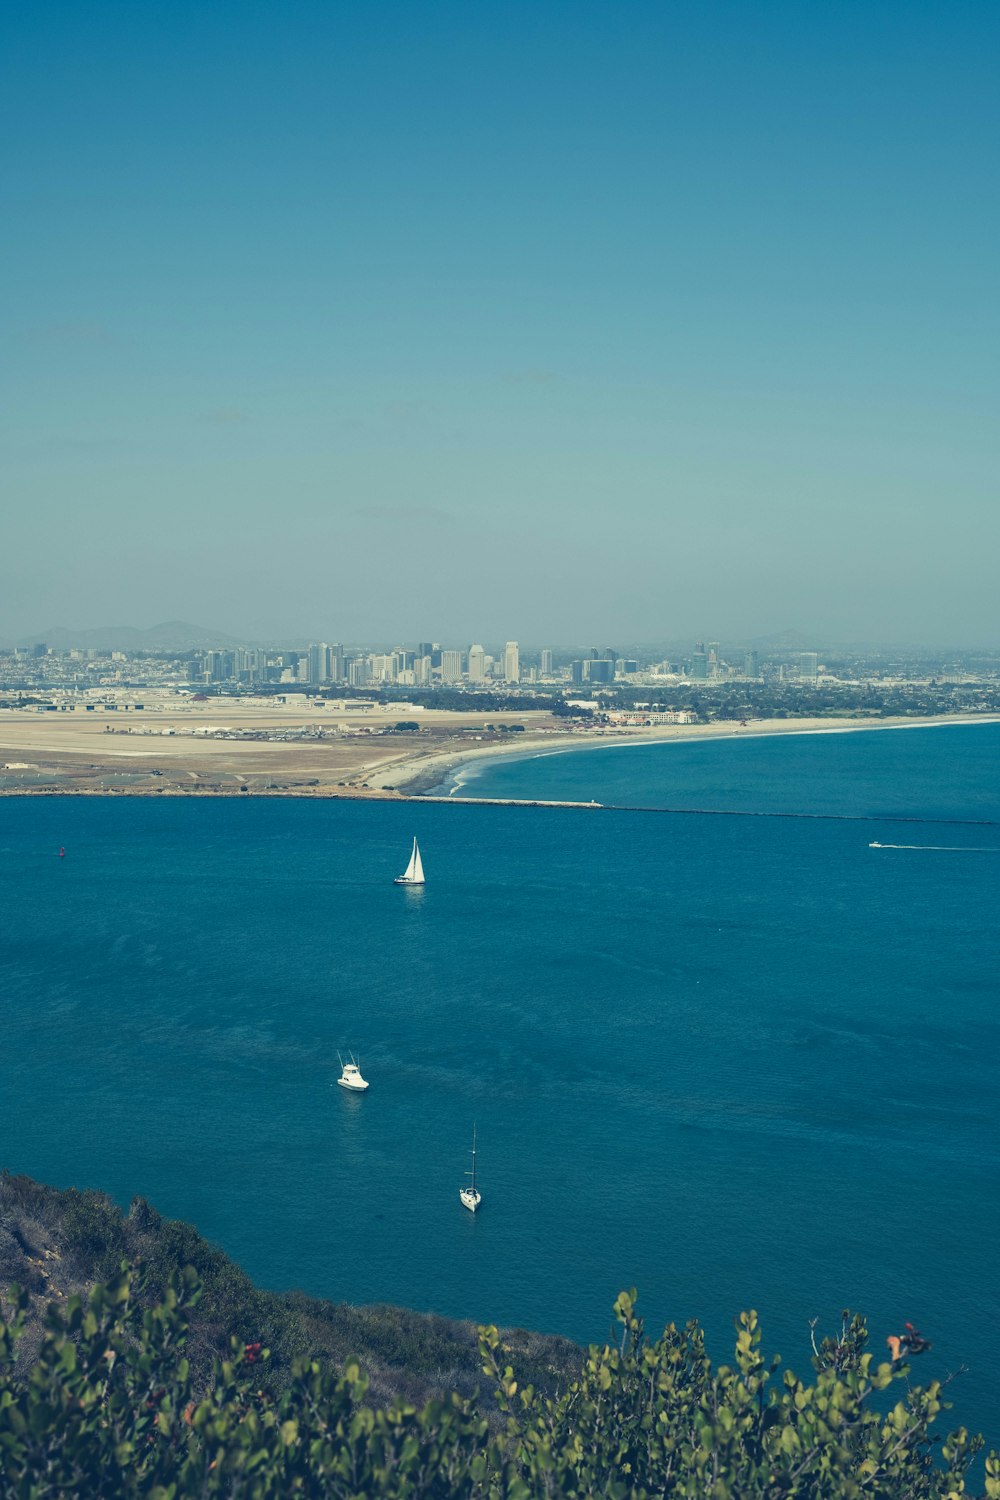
(110, 1409)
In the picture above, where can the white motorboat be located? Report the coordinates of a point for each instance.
(471, 1196)
(350, 1077)
(875, 845)
(414, 872)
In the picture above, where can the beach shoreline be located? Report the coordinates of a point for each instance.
(373, 770)
(437, 773)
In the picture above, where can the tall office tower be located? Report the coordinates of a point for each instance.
(477, 664)
(357, 672)
(257, 665)
(511, 662)
(630, 667)
(382, 668)
(217, 667)
(425, 648)
(451, 666)
(808, 665)
(319, 662)
(400, 663)
(751, 664)
(546, 663)
(576, 672)
(338, 663)
(601, 670)
(714, 659)
(422, 670)
(699, 664)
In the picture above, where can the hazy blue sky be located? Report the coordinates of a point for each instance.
(563, 321)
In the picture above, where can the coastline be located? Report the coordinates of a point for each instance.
(370, 769)
(438, 773)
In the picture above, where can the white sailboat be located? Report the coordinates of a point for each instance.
(471, 1196)
(350, 1077)
(414, 872)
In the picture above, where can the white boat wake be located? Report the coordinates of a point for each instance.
(944, 848)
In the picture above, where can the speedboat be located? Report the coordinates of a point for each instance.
(350, 1077)
(875, 844)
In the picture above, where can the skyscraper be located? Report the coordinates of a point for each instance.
(808, 665)
(319, 662)
(546, 663)
(451, 666)
(511, 662)
(477, 664)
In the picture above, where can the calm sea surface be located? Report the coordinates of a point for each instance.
(732, 1061)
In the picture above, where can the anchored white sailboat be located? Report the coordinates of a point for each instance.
(414, 872)
(471, 1196)
(350, 1077)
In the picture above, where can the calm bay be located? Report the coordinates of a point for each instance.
(733, 1061)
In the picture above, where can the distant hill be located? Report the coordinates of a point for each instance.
(174, 635)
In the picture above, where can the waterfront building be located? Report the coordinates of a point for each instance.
(808, 666)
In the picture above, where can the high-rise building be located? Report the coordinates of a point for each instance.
(338, 663)
(477, 664)
(601, 670)
(576, 672)
(808, 666)
(451, 666)
(699, 664)
(546, 663)
(751, 664)
(511, 662)
(714, 659)
(319, 662)
(357, 672)
(218, 665)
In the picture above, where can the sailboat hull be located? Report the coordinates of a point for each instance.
(405, 880)
(471, 1198)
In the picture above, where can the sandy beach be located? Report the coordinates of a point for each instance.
(417, 775)
(326, 750)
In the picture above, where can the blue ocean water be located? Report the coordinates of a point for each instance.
(731, 1061)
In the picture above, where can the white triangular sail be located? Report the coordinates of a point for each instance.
(414, 872)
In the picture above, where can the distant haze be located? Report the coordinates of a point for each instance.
(557, 323)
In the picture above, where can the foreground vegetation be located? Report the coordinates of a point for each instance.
(56, 1244)
(116, 1400)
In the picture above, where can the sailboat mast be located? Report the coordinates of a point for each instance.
(473, 1158)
